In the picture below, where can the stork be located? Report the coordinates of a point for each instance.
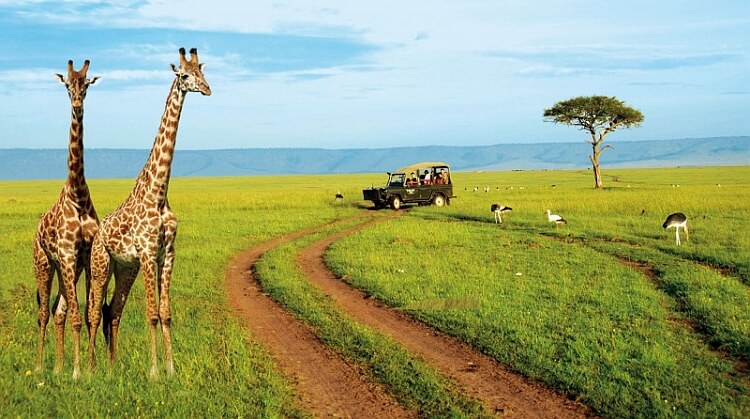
(554, 218)
(339, 197)
(499, 210)
(677, 220)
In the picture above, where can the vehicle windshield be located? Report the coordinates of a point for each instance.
(396, 179)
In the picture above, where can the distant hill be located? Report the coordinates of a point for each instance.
(16, 164)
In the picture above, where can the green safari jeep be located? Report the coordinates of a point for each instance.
(423, 183)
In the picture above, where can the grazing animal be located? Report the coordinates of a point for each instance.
(499, 210)
(677, 220)
(139, 235)
(554, 218)
(63, 239)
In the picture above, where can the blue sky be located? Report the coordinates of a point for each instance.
(351, 74)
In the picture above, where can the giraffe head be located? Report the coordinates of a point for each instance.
(77, 83)
(190, 74)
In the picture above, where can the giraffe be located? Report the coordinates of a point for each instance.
(65, 233)
(139, 235)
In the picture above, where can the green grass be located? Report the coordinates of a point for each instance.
(220, 372)
(576, 317)
(559, 307)
(413, 382)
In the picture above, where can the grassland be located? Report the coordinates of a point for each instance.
(567, 307)
(220, 372)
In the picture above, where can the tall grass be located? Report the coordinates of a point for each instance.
(560, 306)
(413, 382)
(220, 371)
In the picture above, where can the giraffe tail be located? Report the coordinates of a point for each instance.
(38, 304)
(106, 321)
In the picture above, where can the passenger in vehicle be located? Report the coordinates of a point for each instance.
(426, 178)
(442, 178)
(412, 180)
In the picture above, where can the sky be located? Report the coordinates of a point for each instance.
(371, 74)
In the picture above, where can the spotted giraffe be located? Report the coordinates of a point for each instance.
(66, 231)
(139, 235)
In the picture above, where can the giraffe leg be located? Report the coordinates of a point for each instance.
(60, 313)
(150, 271)
(44, 275)
(124, 279)
(165, 315)
(68, 271)
(86, 267)
(100, 274)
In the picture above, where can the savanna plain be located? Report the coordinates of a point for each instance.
(605, 309)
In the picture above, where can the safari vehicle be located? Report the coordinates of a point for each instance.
(423, 183)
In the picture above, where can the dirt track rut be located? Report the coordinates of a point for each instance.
(328, 385)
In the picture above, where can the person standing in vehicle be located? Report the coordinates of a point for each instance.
(427, 178)
(412, 180)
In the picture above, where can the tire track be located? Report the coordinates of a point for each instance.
(502, 391)
(326, 383)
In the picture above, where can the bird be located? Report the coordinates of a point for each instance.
(339, 197)
(677, 220)
(554, 218)
(499, 210)
(643, 211)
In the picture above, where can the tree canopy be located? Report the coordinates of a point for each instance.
(599, 115)
(595, 114)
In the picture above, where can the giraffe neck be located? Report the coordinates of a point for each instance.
(153, 181)
(76, 179)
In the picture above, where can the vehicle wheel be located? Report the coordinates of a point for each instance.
(438, 200)
(396, 202)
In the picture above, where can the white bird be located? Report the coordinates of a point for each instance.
(554, 218)
(677, 220)
(499, 210)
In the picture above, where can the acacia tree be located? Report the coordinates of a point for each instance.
(598, 115)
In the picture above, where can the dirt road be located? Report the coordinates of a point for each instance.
(328, 385)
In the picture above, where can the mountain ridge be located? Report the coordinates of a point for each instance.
(30, 164)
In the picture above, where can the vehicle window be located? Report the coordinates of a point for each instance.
(397, 180)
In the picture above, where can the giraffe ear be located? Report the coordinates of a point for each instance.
(60, 78)
(175, 69)
(200, 66)
(92, 81)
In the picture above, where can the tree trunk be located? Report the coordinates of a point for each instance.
(595, 162)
